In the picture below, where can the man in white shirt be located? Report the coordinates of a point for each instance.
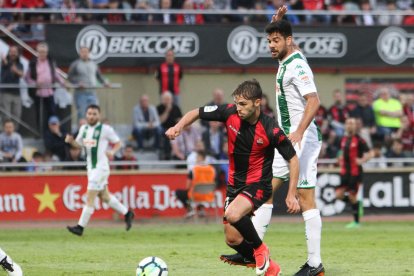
(95, 137)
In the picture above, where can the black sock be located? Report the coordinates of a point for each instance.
(355, 212)
(245, 249)
(246, 228)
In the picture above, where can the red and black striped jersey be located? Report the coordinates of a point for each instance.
(251, 147)
(352, 147)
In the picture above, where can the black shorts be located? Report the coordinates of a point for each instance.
(350, 183)
(256, 193)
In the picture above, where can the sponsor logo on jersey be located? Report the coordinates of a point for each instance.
(234, 129)
(245, 45)
(395, 45)
(104, 44)
(90, 143)
(210, 108)
(259, 141)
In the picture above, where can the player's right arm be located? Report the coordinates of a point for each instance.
(285, 148)
(77, 143)
(189, 118)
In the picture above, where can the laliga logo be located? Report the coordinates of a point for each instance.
(325, 195)
(394, 45)
(245, 45)
(103, 44)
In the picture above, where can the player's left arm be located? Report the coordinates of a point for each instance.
(114, 139)
(303, 81)
(366, 153)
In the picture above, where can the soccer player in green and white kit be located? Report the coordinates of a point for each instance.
(297, 103)
(95, 137)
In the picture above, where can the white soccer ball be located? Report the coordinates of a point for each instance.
(152, 266)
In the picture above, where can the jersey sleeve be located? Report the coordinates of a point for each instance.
(111, 134)
(282, 143)
(78, 138)
(363, 147)
(302, 78)
(216, 112)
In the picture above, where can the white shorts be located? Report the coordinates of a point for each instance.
(97, 179)
(308, 158)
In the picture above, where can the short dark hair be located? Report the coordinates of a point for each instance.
(249, 90)
(282, 27)
(8, 120)
(94, 106)
(202, 154)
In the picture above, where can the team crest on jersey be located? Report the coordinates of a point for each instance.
(259, 141)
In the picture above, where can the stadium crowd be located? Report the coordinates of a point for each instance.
(268, 7)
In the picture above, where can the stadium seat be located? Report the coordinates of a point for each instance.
(203, 194)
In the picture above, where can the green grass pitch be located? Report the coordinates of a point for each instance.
(377, 248)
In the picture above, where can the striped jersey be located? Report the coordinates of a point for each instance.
(294, 80)
(251, 148)
(96, 141)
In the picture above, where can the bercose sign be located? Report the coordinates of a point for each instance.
(218, 46)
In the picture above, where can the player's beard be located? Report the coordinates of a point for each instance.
(282, 54)
(93, 121)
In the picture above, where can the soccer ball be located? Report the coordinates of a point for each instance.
(152, 266)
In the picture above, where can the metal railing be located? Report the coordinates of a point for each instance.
(209, 12)
(159, 164)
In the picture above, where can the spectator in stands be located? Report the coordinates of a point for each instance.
(192, 157)
(200, 173)
(169, 114)
(143, 5)
(366, 19)
(338, 113)
(34, 164)
(315, 5)
(364, 112)
(406, 134)
(84, 74)
(75, 155)
(321, 119)
(265, 106)
(218, 99)
(6, 18)
(118, 17)
(184, 144)
(11, 72)
(127, 155)
(409, 108)
(189, 18)
(169, 75)
(55, 139)
(213, 139)
(164, 18)
(388, 112)
(11, 144)
(68, 14)
(146, 123)
(332, 145)
(210, 5)
(396, 151)
(377, 153)
(43, 74)
(223, 169)
(390, 19)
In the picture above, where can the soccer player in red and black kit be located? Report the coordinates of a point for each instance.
(355, 152)
(252, 138)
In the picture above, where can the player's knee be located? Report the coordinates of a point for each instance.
(232, 216)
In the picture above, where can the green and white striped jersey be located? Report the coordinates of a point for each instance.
(294, 79)
(96, 140)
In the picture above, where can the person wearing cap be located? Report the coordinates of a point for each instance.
(55, 138)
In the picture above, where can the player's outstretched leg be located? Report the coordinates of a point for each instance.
(307, 270)
(274, 269)
(129, 216)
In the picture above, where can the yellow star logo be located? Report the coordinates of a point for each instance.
(47, 200)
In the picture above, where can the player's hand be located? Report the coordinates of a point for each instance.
(292, 204)
(359, 161)
(295, 138)
(69, 139)
(279, 14)
(110, 154)
(173, 132)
